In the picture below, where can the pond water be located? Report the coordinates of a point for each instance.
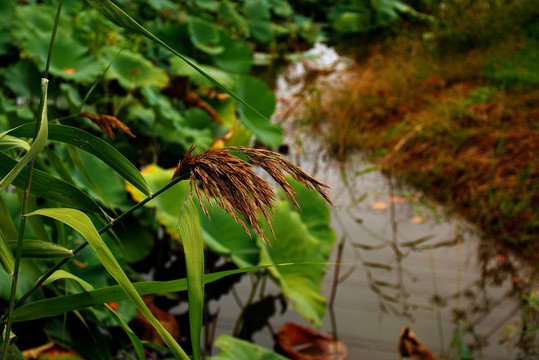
(404, 262)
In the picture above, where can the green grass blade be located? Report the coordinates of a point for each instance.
(137, 344)
(62, 274)
(39, 142)
(10, 142)
(49, 187)
(120, 18)
(83, 225)
(37, 224)
(193, 246)
(65, 303)
(81, 167)
(41, 249)
(6, 222)
(93, 145)
(6, 255)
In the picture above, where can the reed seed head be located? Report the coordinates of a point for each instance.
(107, 123)
(237, 188)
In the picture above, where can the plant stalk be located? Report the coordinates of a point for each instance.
(53, 36)
(18, 253)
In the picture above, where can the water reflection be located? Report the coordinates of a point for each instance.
(413, 268)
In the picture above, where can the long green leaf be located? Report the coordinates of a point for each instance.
(6, 256)
(10, 142)
(193, 245)
(37, 224)
(41, 249)
(137, 344)
(49, 187)
(120, 18)
(65, 303)
(83, 170)
(93, 145)
(83, 225)
(61, 274)
(6, 222)
(39, 142)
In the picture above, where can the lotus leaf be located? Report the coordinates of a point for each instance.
(237, 56)
(258, 94)
(233, 349)
(133, 71)
(167, 206)
(301, 236)
(205, 36)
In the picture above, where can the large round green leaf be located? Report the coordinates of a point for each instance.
(133, 71)
(7, 7)
(261, 30)
(300, 236)
(181, 68)
(350, 22)
(233, 349)
(226, 237)
(237, 56)
(205, 36)
(70, 60)
(168, 205)
(255, 92)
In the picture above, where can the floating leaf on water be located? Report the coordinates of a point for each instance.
(418, 220)
(410, 345)
(379, 205)
(299, 342)
(234, 348)
(397, 199)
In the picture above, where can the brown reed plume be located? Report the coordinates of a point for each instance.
(237, 188)
(107, 123)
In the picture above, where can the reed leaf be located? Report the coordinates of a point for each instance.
(39, 141)
(193, 245)
(93, 145)
(83, 225)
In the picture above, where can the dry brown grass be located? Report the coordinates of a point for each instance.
(237, 188)
(425, 119)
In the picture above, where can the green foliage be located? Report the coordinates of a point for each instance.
(232, 349)
(119, 102)
(193, 246)
(301, 236)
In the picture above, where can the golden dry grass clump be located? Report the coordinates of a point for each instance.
(237, 188)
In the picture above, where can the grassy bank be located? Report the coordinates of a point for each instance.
(454, 115)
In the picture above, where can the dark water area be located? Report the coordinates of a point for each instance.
(404, 261)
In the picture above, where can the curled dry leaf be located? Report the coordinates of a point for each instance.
(301, 343)
(237, 188)
(410, 346)
(107, 123)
